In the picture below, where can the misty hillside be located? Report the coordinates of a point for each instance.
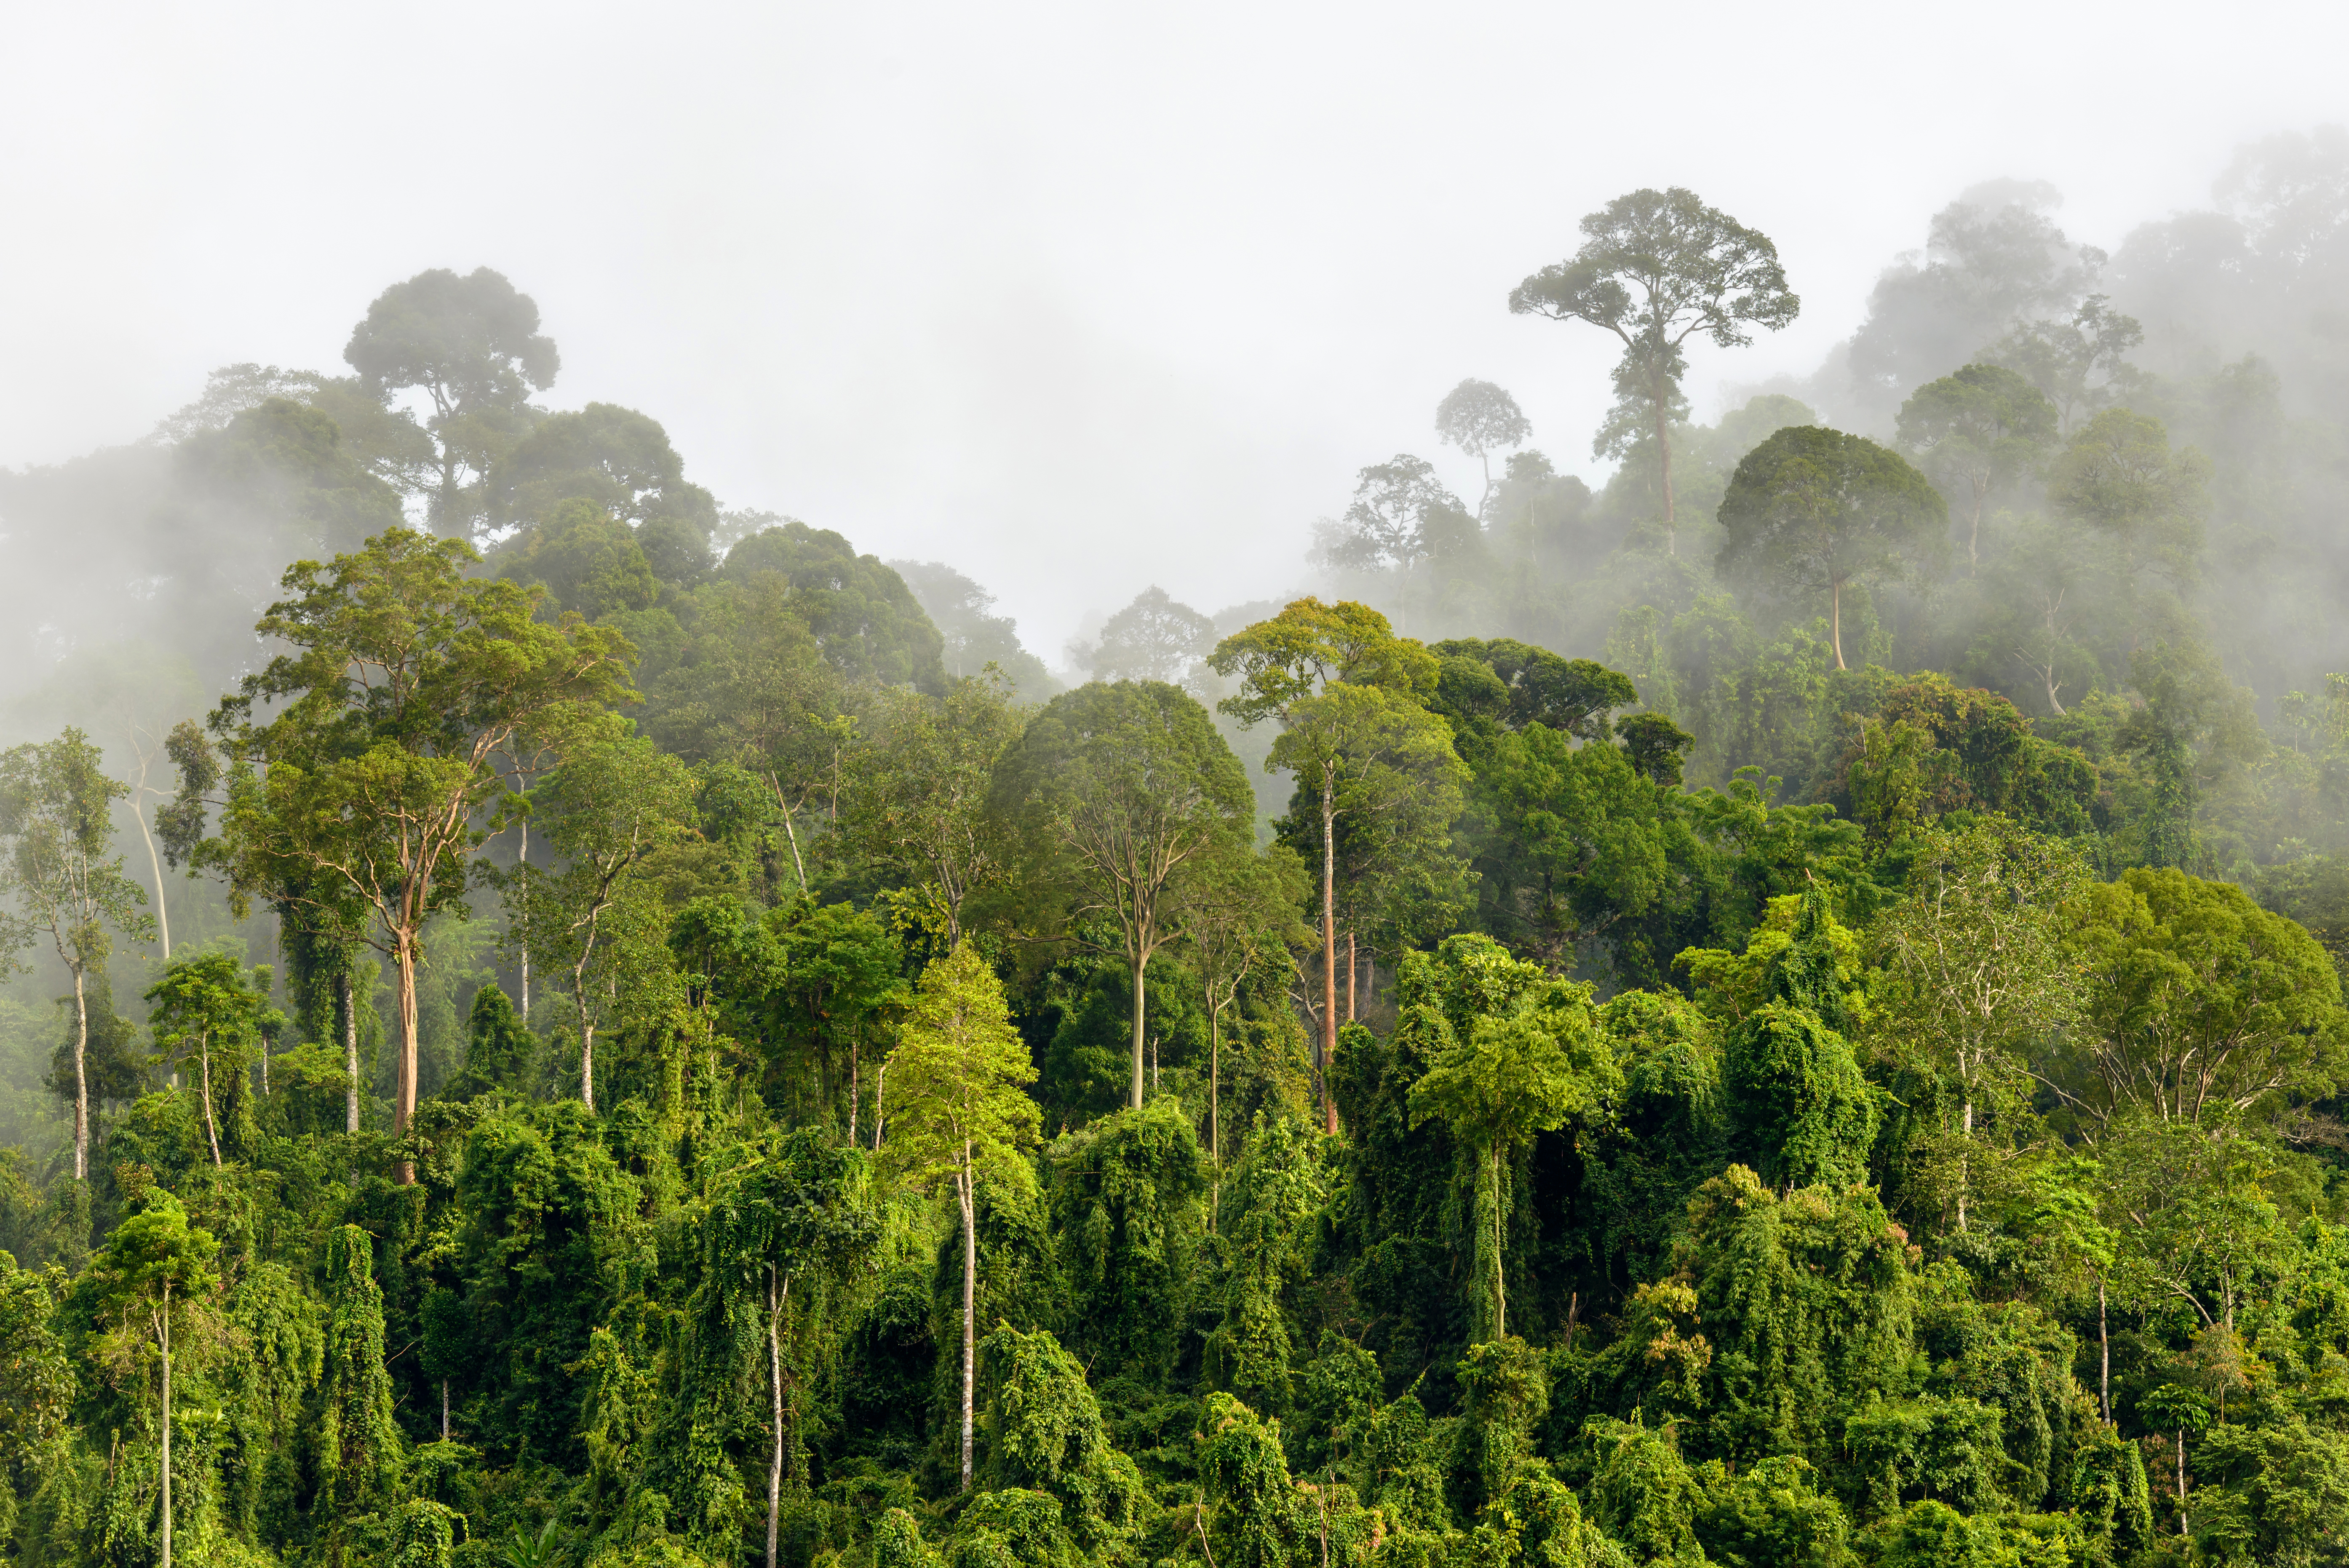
(1758, 984)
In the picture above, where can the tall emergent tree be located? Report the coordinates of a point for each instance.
(962, 1113)
(1814, 509)
(372, 781)
(612, 801)
(1347, 692)
(1132, 786)
(1514, 1053)
(153, 1282)
(472, 345)
(1977, 430)
(1481, 418)
(57, 835)
(1655, 268)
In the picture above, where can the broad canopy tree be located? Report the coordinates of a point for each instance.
(1977, 431)
(1129, 787)
(375, 778)
(1656, 268)
(1813, 509)
(57, 861)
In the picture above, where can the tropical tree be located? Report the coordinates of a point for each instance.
(1978, 984)
(1531, 1057)
(1655, 268)
(794, 1206)
(370, 784)
(1132, 786)
(1348, 694)
(1155, 638)
(962, 1116)
(153, 1284)
(915, 800)
(1235, 908)
(57, 835)
(1811, 509)
(205, 1003)
(1977, 430)
(1481, 418)
(613, 803)
(472, 345)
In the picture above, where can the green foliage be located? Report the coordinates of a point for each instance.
(1047, 1436)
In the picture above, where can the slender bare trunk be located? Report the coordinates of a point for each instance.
(963, 1180)
(523, 864)
(1329, 947)
(1973, 536)
(1353, 972)
(855, 1089)
(1500, 1287)
(81, 1078)
(204, 1066)
(775, 1386)
(163, 1333)
(1664, 457)
(1215, 1086)
(2181, 1481)
(2104, 1356)
(880, 1083)
(1835, 621)
(1137, 965)
(403, 1107)
(155, 867)
(444, 1409)
(1965, 1162)
(586, 1034)
(347, 1003)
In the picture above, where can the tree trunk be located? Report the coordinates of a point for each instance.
(81, 1078)
(1353, 972)
(2181, 1481)
(1215, 1088)
(1664, 459)
(1329, 947)
(880, 1083)
(163, 1333)
(1835, 621)
(2104, 1356)
(1500, 1288)
(587, 1035)
(349, 1007)
(1138, 966)
(523, 864)
(155, 865)
(444, 1409)
(963, 1180)
(204, 1065)
(775, 1386)
(403, 1104)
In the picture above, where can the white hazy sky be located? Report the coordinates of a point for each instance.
(1074, 297)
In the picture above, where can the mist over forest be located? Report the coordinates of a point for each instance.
(1761, 984)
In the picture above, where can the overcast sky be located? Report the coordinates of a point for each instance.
(1077, 297)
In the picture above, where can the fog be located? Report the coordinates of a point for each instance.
(1071, 300)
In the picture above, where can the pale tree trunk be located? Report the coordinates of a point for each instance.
(523, 864)
(2104, 1356)
(155, 866)
(855, 1089)
(1835, 621)
(81, 1078)
(2181, 1481)
(880, 1083)
(163, 1333)
(963, 1181)
(1500, 1286)
(1329, 947)
(1664, 457)
(403, 1110)
(1138, 966)
(775, 1388)
(587, 1035)
(204, 1066)
(1353, 972)
(348, 1003)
